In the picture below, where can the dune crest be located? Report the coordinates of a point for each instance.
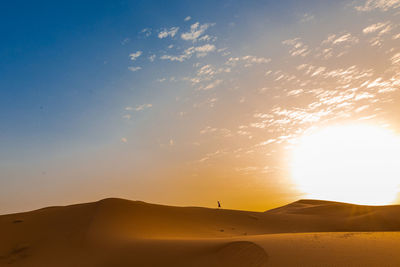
(117, 232)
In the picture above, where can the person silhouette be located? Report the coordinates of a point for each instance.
(219, 204)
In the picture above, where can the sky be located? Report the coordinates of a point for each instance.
(183, 102)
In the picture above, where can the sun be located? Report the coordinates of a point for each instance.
(353, 163)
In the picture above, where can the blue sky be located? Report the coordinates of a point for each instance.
(65, 65)
(102, 95)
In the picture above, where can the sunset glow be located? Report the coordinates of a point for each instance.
(181, 133)
(354, 163)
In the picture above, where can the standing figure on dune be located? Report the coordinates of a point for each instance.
(219, 204)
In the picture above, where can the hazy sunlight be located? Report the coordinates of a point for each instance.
(356, 164)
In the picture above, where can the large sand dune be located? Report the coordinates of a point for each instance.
(116, 232)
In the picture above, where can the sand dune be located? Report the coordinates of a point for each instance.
(116, 232)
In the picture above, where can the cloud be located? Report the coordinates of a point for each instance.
(203, 50)
(143, 107)
(209, 156)
(165, 33)
(211, 85)
(382, 28)
(386, 86)
(374, 27)
(196, 30)
(200, 51)
(269, 141)
(133, 69)
(396, 36)
(364, 95)
(247, 170)
(206, 70)
(383, 5)
(137, 108)
(337, 40)
(124, 140)
(298, 48)
(135, 55)
(222, 132)
(306, 17)
(297, 116)
(179, 58)
(295, 92)
(395, 59)
(362, 108)
(127, 116)
(253, 59)
(329, 39)
(146, 32)
(345, 38)
(210, 102)
(188, 18)
(125, 41)
(247, 60)
(207, 38)
(152, 58)
(208, 129)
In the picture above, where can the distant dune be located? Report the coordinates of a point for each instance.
(117, 232)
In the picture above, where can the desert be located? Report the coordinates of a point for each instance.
(118, 232)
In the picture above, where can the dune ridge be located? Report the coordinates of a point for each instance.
(118, 232)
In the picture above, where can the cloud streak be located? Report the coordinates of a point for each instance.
(168, 33)
(134, 56)
(199, 51)
(134, 69)
(383, 5)
(196, 30)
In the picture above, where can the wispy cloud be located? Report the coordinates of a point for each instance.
(133, 69)
(142, 107)
(211, 85)
(395, 59)
(247, 60)
(383, 5)
(152, 57)
(146, 32)
(138, 108)
(203, 50)
(339, 39)
(168, 32)
(212, 155)
(307, 17)
(134, 56)
(200, 51)
(223, 132)
(125, 41)
(127, 116)
(298, 47)
(196, 30)
(375, 27)
(179, 58)
(345, 38)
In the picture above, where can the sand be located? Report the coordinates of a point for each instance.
(116, 232)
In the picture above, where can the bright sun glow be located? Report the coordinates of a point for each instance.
(356, 164)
